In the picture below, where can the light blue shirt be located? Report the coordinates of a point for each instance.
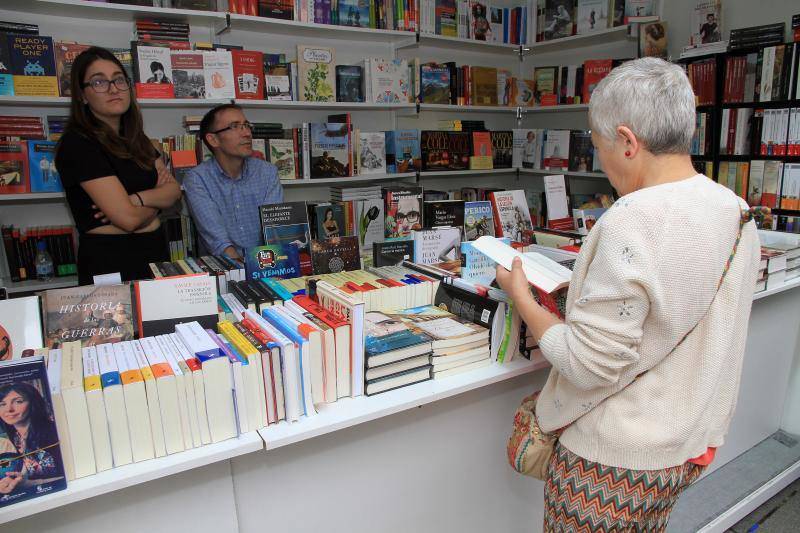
(224, 208)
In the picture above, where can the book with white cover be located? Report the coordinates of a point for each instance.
(20, 326)
(153, 401)
(98, 421)
(316, 355)
(328, 345)
(386, 80)
(187, 405)
(195, 374)
(455, 362)
(133, 390)
(541, 272)
(59, 411)
(217, 380)
(461, 369)
(218, 72)
(168, 400)
(242, 409)
(114, 400)
(163, 302)
(371, 153)
(76, 410)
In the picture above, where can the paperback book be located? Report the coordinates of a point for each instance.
(162, 303)
(153, 68)
(218, 72)
(369, 222)
(65, 56)
(316, 73)
(336, 254)
(478, 220)
(444, 213)
(349, 83)
(434, 84)
(392, 253)
(20, 326)
(188, 74)
(272, 261)
(440, 247)
(42, 166)
(14, 174)
(435, 150)
(502, 149)
(287, 223)
(372, 153)
(329, 221)
(512, 219)
(248, 74)
(387, 80)
(403, 209)
(281, 154)
(329, 149)
(403, 151)
(32, 64)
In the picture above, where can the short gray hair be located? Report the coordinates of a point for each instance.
(651, 97)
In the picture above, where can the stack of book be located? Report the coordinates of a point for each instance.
(167, 32)
(755, 36)
(458, 345)
(395, 355)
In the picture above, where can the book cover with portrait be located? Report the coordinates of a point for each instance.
(30, 452)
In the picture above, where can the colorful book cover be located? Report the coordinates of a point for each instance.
(316, 74)
(20, 326)
(442, 213)
(706, 22)
(33, 65)
(512, 218)
(329, 219)
(522, 92)
(392, 253)
(388, 80)
(434, 84)
(153, 66)
(349, 83)
(403, 209)
(638, 8)
(440, 247)
(93, 314)
(594, 70)
(329, 150)
(14, 173)
(439, 324)
(384, 334)
(218, 72)
(285, 224)
(478, 220)
(36, 467)
(281, 154)
(272, 261)
(460, 143)
(372, 153)
(65, 56)
(484, 85)
(354, 13)
(337, 254)
(277, 9)
(125, 56)
(502, 149)
(445, 18)
(403, 151)
(323, 12)
(277, 81)
(248, 74)
(481, 29)
(6, 73)
(481, 156)
(527, 148)
(370, 221)
(477, 267)
(42, 167)
(188, 74)
(545, 83)
(653, 40)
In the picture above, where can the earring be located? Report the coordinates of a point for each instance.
(627, 154)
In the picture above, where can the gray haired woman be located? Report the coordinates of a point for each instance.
(646, 364)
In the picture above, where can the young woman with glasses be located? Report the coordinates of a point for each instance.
(114, 179)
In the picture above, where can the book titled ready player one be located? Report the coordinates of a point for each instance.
(30, 466)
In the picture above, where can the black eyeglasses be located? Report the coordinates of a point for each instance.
(237, 126)
(101, 86)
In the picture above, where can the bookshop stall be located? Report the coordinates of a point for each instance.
(359, 370)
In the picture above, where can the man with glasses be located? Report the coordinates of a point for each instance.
(224, 192)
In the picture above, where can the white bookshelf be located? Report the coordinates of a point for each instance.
(133, 474)
(569, 108)
(327, 106)
(793, 284)
(349, 412)
(97, 11)
(540, 172)
(604, 36)
(467, 108)
(348, 179)
(461, 173)
(33, 285)
(296, 28)
(463, 45)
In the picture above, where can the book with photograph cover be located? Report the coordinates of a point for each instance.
(33, 64)
(478, 220)
(392, 253)
(653, 40)
(512, 218)
(272, 261)
(33, 464)
(545, 81)
(372, 153)
(527, 148)
(635, 9)
(384, 335)
(153, 68)
(349, 83)
(555, 150)
(336, 254)
(65, 56)
(92, 314)
(481, 28)
(403, 151)
(435, 150)
(285, 224)
(42, 166)
(706, 22)
(277, 81)
(20, 326)
(276, 9)
(329, 221)
(403, 211)
(446, 329)
(502, 149)
(354, 13)
(434, 84)
(592, 15)
(188, 74)
(440, 247)
(581, 151)
(369, 222)
(441, 213)
(559, 19)
(329, 150)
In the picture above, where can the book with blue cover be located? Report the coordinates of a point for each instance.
(42, 167)
(287, 223)
(402, 151)
(6, 77)
(354, 13)
(385, 334)
(330, 149)
(478, 220)
(33, 65)
(272, 261)
(30, 466)
(434, 84)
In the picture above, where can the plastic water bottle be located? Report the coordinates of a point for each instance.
(44, 263)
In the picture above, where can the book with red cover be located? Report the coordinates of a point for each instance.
(594, 70)
(328, 317)
(277, 9)
(14, 173)
(248, 74)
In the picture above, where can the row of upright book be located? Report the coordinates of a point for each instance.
(768, 183)
(770, 74)
(20, 250)
(756, 131)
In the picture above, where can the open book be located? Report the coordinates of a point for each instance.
(542, 272)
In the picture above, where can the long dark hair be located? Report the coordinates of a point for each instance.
(130, 142)
(40, 425)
